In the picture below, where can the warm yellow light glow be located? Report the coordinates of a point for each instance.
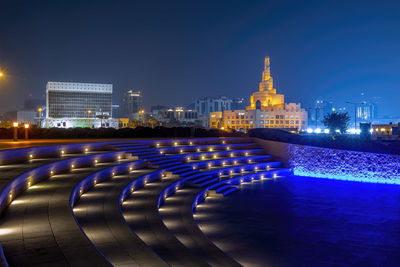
(31, 156)
(89, 111)
(15, 124)
(1, 74)
(40, 109)
(26, 125)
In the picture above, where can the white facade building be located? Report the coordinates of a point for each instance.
(79, 105)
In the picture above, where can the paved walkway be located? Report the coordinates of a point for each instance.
(39, 228)
(99, 215)
(141, 213)
(178, 217)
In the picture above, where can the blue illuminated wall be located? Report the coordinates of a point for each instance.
(344, 164)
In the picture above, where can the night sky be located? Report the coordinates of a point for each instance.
(177, 51)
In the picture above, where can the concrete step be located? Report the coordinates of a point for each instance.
(207, 182)
(170, 165)
(201, 178)
(174, 167)
(163, 161)
(228, 191)
(188, 173)
(183, 169)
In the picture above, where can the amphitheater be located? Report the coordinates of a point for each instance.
(122, 203)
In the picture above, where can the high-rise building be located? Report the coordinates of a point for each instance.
(206, 105)
(267, 110)
(210, 104)
(366, 111)
(318, 112)
(71, 104)
(131, 103)
(74, 100)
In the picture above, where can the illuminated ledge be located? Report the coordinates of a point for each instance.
(346, 177)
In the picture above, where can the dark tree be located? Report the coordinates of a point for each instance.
(336, 121)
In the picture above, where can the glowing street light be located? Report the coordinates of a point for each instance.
(88, 117)
(26, 126)
(40, 115)
(1, 74)
(15, 131)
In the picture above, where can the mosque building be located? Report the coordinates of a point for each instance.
(267, 110)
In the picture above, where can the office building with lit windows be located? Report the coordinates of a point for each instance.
(71, 104)
(132, 103)
(267, 110)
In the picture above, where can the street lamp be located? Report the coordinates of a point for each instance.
(40, 115)
(15, 131)
(26, 126)
(1, 74)
(88, 115)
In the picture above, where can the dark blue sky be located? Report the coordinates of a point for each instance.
(177, 51)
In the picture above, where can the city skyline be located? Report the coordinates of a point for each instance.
(320, 51)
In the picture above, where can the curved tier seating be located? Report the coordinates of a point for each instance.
(122, 203)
